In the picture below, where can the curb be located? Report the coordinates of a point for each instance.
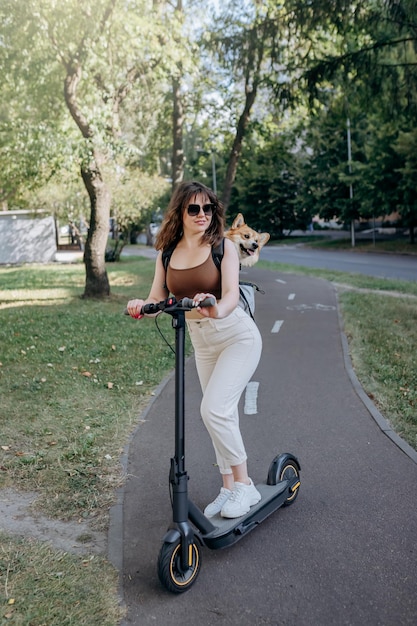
(116, 522)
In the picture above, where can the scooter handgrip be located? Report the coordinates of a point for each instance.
(189, 302)
(151, 307)
(126, 312)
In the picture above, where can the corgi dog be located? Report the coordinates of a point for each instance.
(248, 242)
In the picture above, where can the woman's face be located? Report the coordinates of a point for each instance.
(198, 213)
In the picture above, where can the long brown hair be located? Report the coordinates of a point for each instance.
(171, 228)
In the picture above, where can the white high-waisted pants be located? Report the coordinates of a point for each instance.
(227, 353)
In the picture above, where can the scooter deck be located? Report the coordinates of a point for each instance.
(228, 531)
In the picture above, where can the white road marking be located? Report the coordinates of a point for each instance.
(276, 327)
(279, 280)
(251, 397)
(316, 306)
(291, 296)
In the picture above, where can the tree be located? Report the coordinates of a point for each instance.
(35, 142)
(270, 184)
(247, 46)
(109, 67)
(101, 69)
(373, 62)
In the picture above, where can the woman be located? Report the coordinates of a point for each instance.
(226, 341)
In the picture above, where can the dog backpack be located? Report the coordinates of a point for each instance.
(246, 289)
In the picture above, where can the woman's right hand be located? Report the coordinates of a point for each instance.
(134, 308)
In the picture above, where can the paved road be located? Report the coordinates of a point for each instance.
(400, 267)
(345, 552)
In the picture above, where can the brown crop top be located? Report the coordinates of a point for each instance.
(204, 278)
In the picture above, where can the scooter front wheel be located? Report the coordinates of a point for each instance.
(170, 571)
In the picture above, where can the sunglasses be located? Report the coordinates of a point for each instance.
(194, 209)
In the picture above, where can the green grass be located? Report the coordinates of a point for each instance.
(74, 377)
(76, 374)
(46, 587)
(382, 335)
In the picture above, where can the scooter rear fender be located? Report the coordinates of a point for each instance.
(277, 465)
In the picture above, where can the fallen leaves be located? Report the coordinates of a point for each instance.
(87, 374)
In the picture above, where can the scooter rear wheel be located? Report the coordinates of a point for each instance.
(288, 472)
(172, 576)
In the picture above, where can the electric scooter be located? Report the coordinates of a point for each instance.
(179, 559)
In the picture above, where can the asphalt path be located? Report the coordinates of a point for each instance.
(345, 552)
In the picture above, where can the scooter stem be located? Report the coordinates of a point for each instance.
(179, 477)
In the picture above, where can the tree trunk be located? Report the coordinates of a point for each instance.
(97, 283)
(177, 128)
(237, 147)
(255, 55)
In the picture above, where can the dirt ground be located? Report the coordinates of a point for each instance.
(18, 518)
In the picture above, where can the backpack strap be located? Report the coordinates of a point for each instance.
(166, 255)
(217, 252)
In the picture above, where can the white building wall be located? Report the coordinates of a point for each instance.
(26, 237)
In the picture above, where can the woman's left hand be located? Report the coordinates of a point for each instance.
(206, 311)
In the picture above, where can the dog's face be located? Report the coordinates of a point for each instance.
(248, 242)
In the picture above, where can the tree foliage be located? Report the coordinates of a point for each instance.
(131, 93)
(108, 68)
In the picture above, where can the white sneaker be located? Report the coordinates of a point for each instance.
(242, 498)
(216, 506)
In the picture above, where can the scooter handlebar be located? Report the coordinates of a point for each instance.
(186, 304)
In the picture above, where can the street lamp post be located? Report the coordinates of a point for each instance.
(213, 170)
(349, 147)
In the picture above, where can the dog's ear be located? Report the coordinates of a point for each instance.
(263, 239)
(238, 221)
